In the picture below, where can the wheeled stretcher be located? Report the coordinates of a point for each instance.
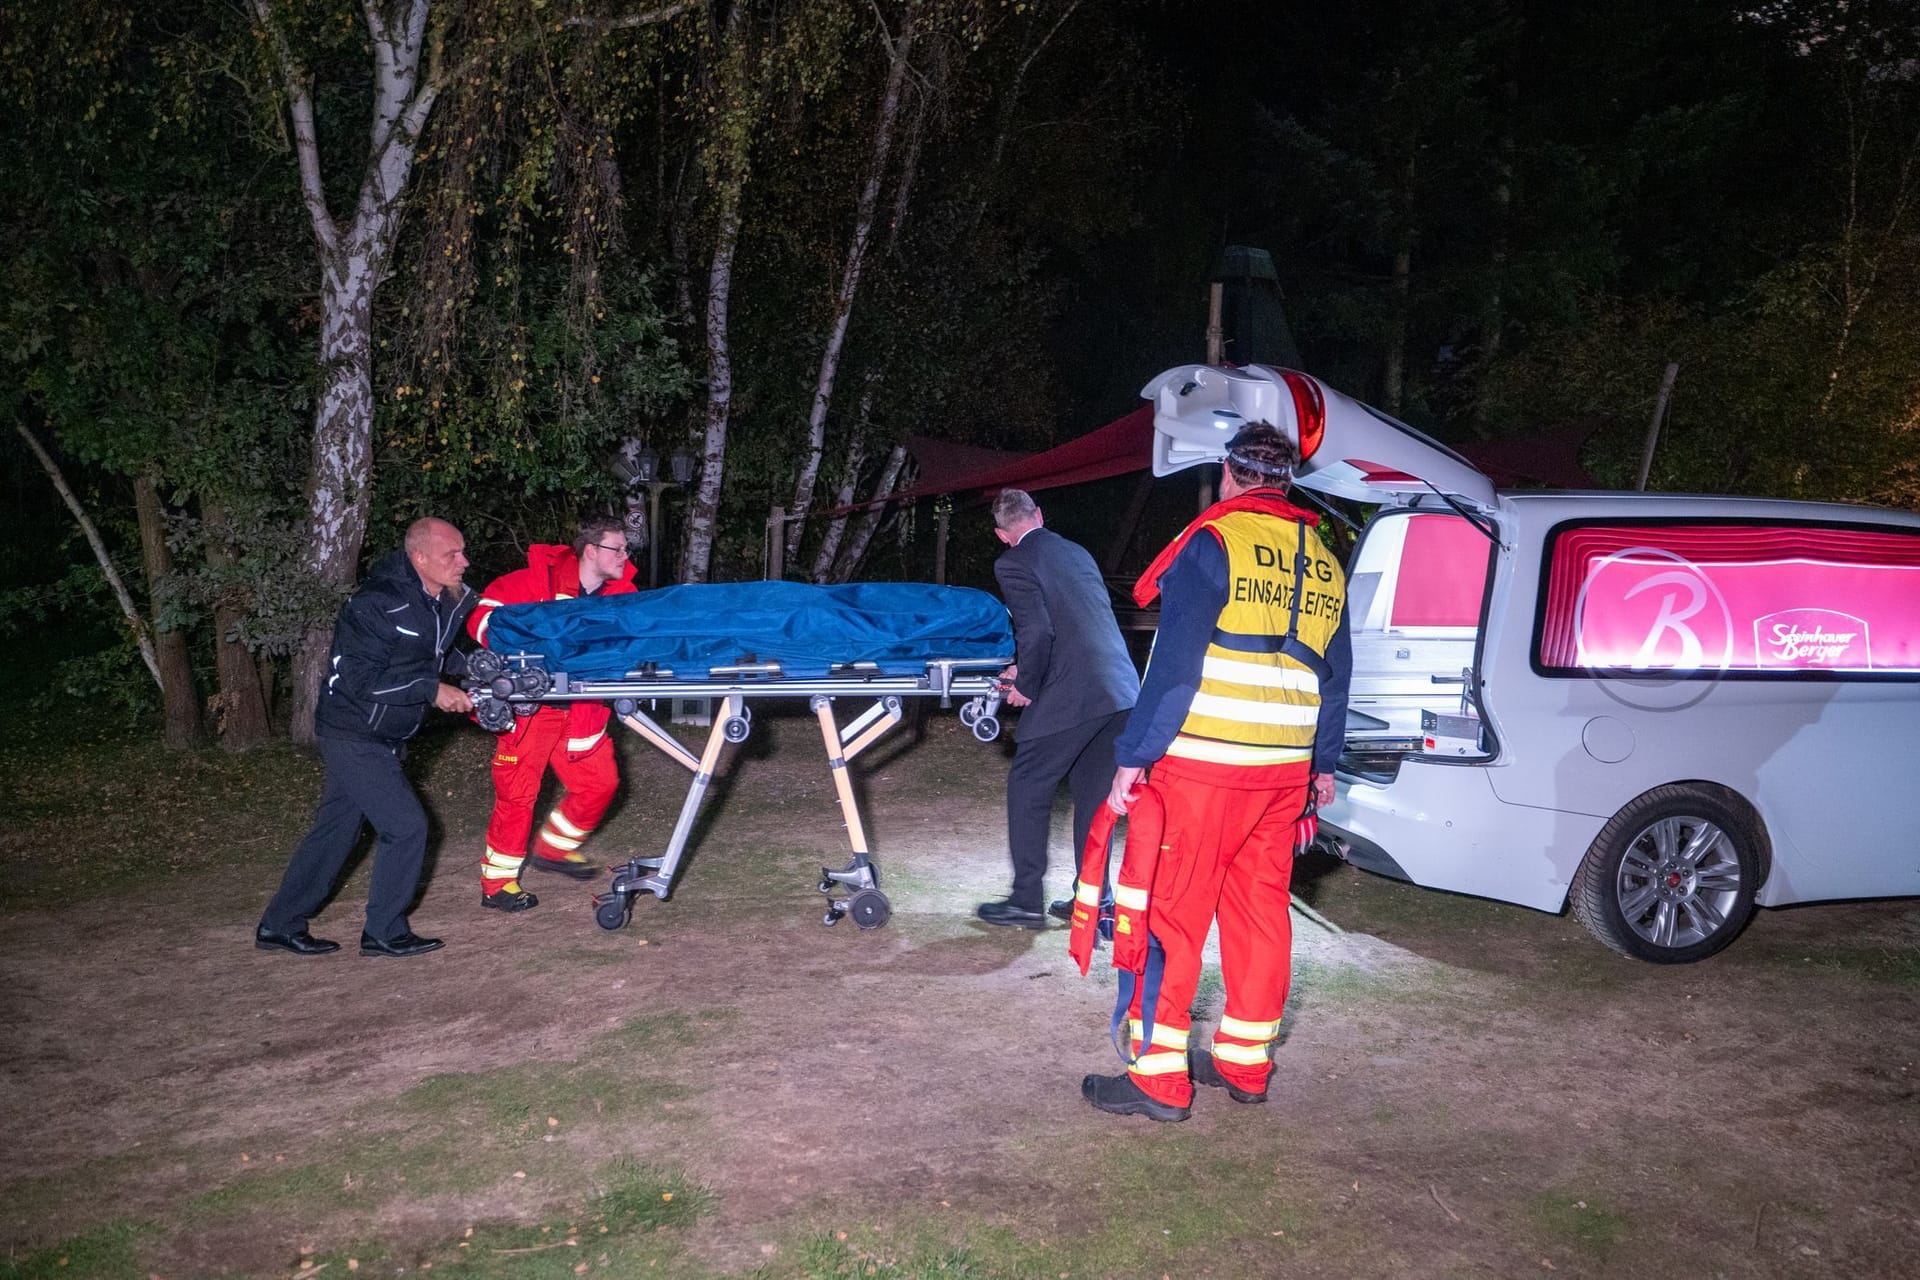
(892, 640)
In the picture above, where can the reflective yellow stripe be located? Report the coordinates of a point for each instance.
(585, 744)
(549, 836)
(1235, 753)
(563, 595)
(1246, 711)
(1240, 1029)
(1160, 1064)
(480, 627)
(1087, 895)
(1165, 1037)
(1242, 1055)
(488, 602)
(1127, 896)
(1235, 671)
(495, 858)
(557, 821)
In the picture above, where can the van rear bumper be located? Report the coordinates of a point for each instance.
(1443, 827)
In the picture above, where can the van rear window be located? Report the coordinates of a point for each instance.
(1697, 598)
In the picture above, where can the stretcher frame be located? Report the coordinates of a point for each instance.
(523, 684)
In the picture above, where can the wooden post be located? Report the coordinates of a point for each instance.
(942, 518)
(1653, 428)
(1216, 335)
(654, 488)
(776, 544)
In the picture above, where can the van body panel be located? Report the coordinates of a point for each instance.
(1447, 829)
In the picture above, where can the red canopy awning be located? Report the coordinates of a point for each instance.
(1121, 446)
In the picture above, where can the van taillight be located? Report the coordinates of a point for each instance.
(1309, 410)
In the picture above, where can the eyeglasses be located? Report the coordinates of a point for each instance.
(619, 553)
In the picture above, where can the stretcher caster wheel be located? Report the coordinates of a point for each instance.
(869, 908)
(484, 664)
(986, 728)
(736, 729)
(612, 910)
(492, 714)
(970, 712)
(832, 917)
(825, 886)
(524, 709)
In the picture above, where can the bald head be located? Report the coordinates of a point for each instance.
(438, 554)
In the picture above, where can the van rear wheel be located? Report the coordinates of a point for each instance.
(1671, 877)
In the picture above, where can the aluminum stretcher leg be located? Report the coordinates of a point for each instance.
(656, 875)
(864, 901)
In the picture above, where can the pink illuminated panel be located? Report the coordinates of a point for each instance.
(1443, 572)
(1709, 598)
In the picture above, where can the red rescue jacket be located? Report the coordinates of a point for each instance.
(552, 573)
(1132, 884)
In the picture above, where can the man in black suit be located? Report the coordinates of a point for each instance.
(1072, 676)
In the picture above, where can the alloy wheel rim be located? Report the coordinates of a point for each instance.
(1678, 881)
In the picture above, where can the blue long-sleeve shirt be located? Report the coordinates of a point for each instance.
(1193, 591)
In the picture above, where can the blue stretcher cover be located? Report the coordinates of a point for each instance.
(901, 626)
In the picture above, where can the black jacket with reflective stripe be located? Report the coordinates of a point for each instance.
(390, 644)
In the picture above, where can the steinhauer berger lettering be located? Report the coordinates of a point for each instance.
(1278, 591)
(1816, 645)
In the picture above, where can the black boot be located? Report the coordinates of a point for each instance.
(1122, 1097)
(1200, 1066)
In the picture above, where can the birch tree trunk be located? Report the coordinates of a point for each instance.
(181, 725)
(351, 261)
(837, 527)
(900, 51)
(87, 527)
(740, 100)
(870, 518)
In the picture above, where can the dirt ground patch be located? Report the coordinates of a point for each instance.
(1464, 1088)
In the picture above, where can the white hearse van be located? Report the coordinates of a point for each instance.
(1663, 709)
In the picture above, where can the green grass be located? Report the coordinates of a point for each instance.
(109, 1252)
(466, 1132)
(1577, 1222)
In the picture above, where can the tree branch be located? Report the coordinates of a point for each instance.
(306, 139)
(627, 22)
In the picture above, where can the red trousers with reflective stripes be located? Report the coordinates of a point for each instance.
(519, 764)
(1226, 852)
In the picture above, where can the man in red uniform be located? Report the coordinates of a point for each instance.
(1241, 715)
(570, 738)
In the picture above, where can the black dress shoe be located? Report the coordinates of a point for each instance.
(301, 943)
(407, 944)
(1120, 1096)
(1008, 914)
(572, 870)
(1201, 1066)
(1061, 908)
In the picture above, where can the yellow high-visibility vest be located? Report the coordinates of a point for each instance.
(1258, 702)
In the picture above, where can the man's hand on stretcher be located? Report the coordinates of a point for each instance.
(452, 698)
(1014, 698)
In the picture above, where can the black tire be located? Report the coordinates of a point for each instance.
(869, 908)
(613, 913)
(1671, 878)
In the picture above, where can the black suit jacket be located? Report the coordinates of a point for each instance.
(1072, 661)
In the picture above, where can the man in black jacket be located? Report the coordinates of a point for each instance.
(390, 642)
(1072, 676)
